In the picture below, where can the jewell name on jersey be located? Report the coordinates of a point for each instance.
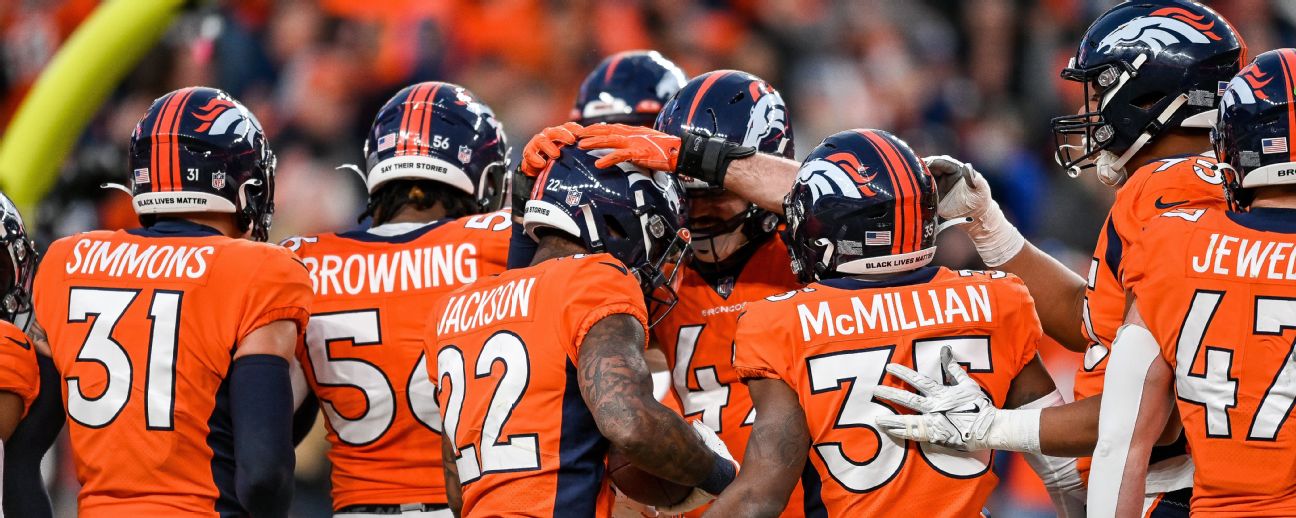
(398, 270)
(118, 259)
(890, 311)
(1248, 258)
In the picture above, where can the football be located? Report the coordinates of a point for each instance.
(641, 486)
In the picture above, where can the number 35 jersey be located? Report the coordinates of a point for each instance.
(364, 347)
(1218, 291)
(831, 342)
(504, 354)
(142, 327)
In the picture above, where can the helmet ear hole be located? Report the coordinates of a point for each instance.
(1147, 100)
(614, 227)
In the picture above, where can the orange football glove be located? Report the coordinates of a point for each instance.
(644, 147)
(546, 146)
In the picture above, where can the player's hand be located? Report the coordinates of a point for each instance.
(698, 497)
(546, 146)
(956, 416)
(964, 193)
(643, 147)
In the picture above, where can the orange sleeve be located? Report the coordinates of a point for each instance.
(1022, 320)
(596, 288)
(19, 373)
(279, 290)
(761, 348)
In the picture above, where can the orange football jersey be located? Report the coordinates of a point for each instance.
(1218, 291)
(19, 373)
(831, 342)
(697, 339)
(363, 355)
(143, 326)
(1186, 181)
(504, 354)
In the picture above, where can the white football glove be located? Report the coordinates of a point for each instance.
(964, 193)
(958, 416)
(698, 497)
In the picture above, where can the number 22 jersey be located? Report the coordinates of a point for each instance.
(831, 342)
(143, 326)
(1218, 291)
(504, 353)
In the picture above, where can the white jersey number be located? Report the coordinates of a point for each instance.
(108, 306)
(513, 453)
(864, 370)
(1215, 388)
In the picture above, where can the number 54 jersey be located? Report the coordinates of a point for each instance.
(1218, 291)
(364, 347)
(831, 342)
(142, 327)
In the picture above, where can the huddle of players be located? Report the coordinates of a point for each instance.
(782, 365)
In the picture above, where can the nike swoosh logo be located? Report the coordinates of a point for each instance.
(22, 344)
(1163, 205)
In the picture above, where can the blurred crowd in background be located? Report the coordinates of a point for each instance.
(976, 79)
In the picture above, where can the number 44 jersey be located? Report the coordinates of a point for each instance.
(831, 342)
(143, 326)
(1218, 291)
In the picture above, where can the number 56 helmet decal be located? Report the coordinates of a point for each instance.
(863, 203)
(199, 150)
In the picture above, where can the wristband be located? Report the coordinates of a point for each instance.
(706, 158)
(722, 473)
(1013, 430)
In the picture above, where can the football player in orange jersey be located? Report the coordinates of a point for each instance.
(625, 88)
(20, 370)
(1211, 328)
(436, 159)
(1152, 74)
(861, 229)
(540, 369)
(737, 256)
(174, 340)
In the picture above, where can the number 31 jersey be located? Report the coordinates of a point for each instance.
(142, 327)
(364, 348)
(504, 353)
(1218, 291)
(831, 342)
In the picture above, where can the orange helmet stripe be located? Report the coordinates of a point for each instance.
(897, 186)
(1286, 56)
(426, 112)
(173, 145)
(702, 90)
(405, 120)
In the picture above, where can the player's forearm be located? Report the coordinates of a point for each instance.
(454, 492)
(762, 179)
(1070, 430)
(261, 414)
(24, 490)
(775, 457)
(1058, 293)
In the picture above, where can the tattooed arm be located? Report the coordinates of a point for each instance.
(617, 388)
(454, 492)
(776, 454)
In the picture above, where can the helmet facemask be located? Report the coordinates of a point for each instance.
(1096, 136)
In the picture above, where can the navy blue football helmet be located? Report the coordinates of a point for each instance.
(1253, 139)
(1150, 66)
(635, 215)
(863, 203)
(201, 142)
(17, 266)
(627, 88)
(440, 132)
(745, 110)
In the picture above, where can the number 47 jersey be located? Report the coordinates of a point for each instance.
(831, 342)
(1218, 291)
(142, 327)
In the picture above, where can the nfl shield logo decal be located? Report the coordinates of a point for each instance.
(218, 180)
(725, 287)
(465, 154)
(573, 196)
